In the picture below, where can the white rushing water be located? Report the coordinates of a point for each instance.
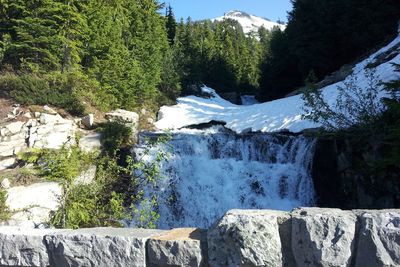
(210, 172)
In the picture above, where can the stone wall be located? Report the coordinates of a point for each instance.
(303, 237)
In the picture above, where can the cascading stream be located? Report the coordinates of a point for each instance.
(209, 172)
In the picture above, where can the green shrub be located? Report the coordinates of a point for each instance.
(4, 211)
(115, 135)
(52, 89)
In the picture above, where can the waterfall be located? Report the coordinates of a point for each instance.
(209, 172)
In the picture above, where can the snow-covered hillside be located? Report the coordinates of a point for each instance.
(249, 22)
(274, 116)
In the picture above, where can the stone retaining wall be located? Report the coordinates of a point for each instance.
(303, 237)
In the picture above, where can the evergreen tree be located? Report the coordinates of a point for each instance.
(170, 25)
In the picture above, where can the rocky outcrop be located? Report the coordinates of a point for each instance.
(304, 237)
(354, 172)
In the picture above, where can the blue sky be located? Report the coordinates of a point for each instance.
(205, 9)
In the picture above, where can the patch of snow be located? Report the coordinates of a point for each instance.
(275, 116)
(248, 100)
(249, 22)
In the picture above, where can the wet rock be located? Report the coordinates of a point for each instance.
(323, 237)
(379, 239)
(178, 247)
(247, 238)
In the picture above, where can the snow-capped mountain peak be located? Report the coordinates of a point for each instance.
(250, 23)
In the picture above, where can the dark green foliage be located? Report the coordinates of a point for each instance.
(170, 25)
(218, 55)
(54, 89)
(321, 36)
(115, 135)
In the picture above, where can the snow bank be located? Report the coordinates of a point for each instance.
(275, 116)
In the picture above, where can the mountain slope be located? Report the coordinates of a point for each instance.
(280, 115)
(249, 22)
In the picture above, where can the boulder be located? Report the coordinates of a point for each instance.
(23, 247)
(124, 116)
(5, 183)
(90, 142)
(379, 239)
(50, 119)
(34, 202)
(178, 247)
(249, 238)
(14, 127)
(88, 120)
(323, 237)
(10, 148)
(7, 163)
(49, 110)
(100, 247)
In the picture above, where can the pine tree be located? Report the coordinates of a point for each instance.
(170, 25)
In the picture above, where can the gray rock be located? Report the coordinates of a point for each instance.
(14, 127)
(23, 247)
(100, 247)
(34, 202)
(129, 118)
(90, 142)
(5, 183)
(123, 116)
(49, 110)
(247, 238)
(379, 239)
(88, 120)
(7, 163)
(86, 177)
(178, 247)
(323, 237)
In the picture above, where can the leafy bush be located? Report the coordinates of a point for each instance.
(115, 135)
(355, 106)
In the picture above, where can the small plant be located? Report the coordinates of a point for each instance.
(4, 211)
(355, 105)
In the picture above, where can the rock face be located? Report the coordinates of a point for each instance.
(129, 118)
(100, 247)
(178, 247)
(247, 238)
(323, 237)
(379, 239)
